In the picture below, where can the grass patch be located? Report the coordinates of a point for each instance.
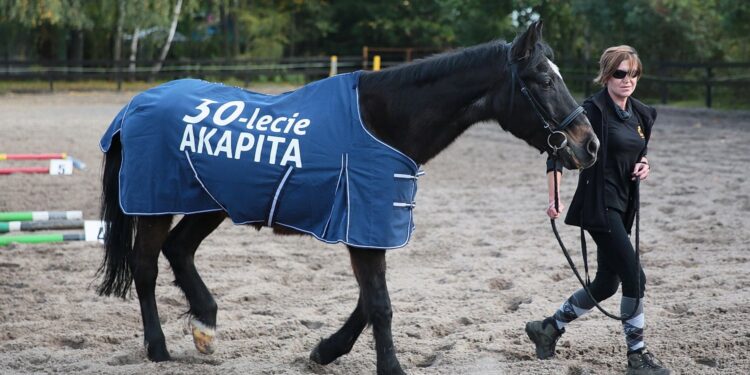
(88, 85)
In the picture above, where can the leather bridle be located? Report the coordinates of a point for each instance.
(556, 139)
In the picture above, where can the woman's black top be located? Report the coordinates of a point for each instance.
(626, 142)
(588, 209)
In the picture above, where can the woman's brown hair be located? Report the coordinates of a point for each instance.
(611, 59)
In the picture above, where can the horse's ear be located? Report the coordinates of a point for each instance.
(525, 43)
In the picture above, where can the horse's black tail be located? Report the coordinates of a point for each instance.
(119, 229)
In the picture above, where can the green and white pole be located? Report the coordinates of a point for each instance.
(40, 215)
(93, 231)
(42, 238)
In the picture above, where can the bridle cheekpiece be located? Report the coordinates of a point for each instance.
(556, 139)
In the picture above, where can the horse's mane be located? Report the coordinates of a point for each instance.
(438, 65)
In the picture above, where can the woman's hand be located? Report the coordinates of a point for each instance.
(552, 212)
(552, 187)
(641, 169)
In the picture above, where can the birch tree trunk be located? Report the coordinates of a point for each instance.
(168, 43)
(117, 53)
(133, 52)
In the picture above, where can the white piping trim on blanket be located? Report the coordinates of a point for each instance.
(172, 213)
(408, 237)
(201, 182)
(110, 140)
(348, 206)
(169, 212)
(361, 123)
(119, 178)
(416, 167)
(276, 196)
(122, 121)
(122, 159)
(335, 192)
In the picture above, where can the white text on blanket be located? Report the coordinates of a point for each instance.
(244, 142)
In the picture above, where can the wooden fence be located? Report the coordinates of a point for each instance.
(672, 80)
(666, 81)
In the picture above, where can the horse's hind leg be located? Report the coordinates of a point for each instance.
(180, 249)
(375, 304)
(343, 340)
(150, 235)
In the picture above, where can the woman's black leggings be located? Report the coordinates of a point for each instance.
(615, 259)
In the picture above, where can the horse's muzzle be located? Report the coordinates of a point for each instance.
(580, 156)
(592, 148)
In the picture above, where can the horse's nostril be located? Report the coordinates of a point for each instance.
(593, 146)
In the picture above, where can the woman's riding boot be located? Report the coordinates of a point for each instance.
(643, 363)
(544, 334)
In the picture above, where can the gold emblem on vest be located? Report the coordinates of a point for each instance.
(640, 132)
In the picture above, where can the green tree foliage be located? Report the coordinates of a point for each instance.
(707, 30)
(437, 24)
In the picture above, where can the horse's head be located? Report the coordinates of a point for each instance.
(539, 108)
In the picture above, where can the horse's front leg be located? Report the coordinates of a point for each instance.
(369, 268)
(150, 235)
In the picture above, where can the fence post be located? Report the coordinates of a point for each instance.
(709, 78)
(334, 66)
(663, 87)
(376, 63)
(51, 78)
(118, 74)
(365, 57)
(586, 80)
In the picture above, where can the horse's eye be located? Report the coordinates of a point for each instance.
(548, 83)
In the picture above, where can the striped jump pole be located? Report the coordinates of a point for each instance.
(59, 164)
(56, 167)
(41, 215)
(30, 226)
(93, 231)
(28, 170)
(42, 238)
(61, 155)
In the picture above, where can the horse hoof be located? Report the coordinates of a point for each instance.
(203, 337)
(157, 354)
(322, 354)
(316, 357)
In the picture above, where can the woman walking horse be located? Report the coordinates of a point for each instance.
(352, 143)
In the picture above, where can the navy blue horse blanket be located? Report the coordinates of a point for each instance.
(302, 160)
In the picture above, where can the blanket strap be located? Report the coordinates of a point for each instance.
(402, 176)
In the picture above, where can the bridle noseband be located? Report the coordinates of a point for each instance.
(556, 139)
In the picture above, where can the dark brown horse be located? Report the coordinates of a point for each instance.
(418, 109)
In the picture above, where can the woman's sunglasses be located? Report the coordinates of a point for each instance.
(620, 74)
